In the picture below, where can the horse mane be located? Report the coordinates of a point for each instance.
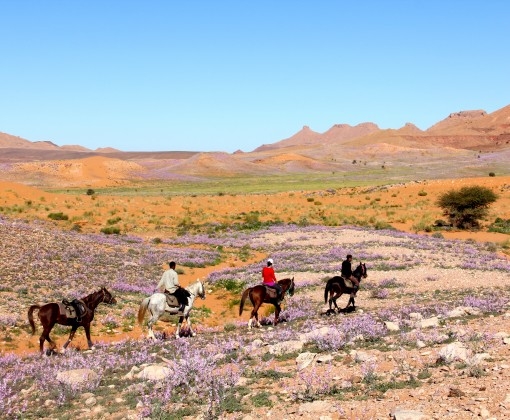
(92, 296)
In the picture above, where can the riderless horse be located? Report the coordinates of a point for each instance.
(55, 313)
(337, 286)
(157, 305)
(264, 294)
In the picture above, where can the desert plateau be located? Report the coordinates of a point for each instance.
(430, 336)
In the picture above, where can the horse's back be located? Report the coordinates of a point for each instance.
(333, 280)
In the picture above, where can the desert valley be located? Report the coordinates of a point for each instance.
(430, 338)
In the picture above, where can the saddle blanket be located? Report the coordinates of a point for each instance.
(68, 310)
(271, 292)
(348, 283)
(171, 300)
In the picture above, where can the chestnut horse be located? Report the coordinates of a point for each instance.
(258, 296)
(49, 315)
(336, 287)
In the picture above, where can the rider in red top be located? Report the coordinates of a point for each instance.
(269, 278)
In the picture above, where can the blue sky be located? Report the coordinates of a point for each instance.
(226, 75)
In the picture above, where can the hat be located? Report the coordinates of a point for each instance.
(270, 261)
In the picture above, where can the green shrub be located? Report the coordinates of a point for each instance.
(58, 216)
(492, 174)
(90, 191)
(422, 193)
(467, 206)
(109, 230)
(500, 226)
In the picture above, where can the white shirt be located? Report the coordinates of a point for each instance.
(169, 281)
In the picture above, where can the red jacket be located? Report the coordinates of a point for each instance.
(268, 276)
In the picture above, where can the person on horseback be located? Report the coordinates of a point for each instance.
(169, 284)
(269, 279)
(346, 272)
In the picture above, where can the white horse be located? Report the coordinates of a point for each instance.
(157, 306)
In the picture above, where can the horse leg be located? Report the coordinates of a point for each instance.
(277, 313)
(87, 334)
(178, 331)
(333, 299)
(188, 323)
(150, 332)
(351, 300)
(254, 317)
(46, 336)
(71, 336)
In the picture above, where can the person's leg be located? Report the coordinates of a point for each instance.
(355, 282)
(279, 296)
(182, 300)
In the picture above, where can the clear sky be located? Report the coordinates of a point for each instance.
(218, 75)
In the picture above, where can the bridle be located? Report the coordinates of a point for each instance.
(110, 299)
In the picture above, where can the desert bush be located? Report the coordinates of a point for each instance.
(492, 174)
(58, 216)
(113, 221)
(500, 226)
(467, 206)
(109, 230)
(90, 191)
(422, 193)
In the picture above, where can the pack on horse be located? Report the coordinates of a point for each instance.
(337, 286)
(260, 294)
(59, 313)
(157, 305)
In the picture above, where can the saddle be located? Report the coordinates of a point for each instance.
(72, 308)
(271, 292)
(171, 300)
(348, 283)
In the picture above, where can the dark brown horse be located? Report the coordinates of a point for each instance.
(49, 315)
(336, 287)
(259, 295)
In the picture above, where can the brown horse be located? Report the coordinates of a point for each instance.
(259, 295)
(49, 315)
(336, 287)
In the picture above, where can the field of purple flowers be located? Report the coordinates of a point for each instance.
(422, 294)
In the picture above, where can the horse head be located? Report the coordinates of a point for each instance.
(291, 287)
(361, 271)
(201, 290)
(198, 289)
(288, 286)
(107, 297)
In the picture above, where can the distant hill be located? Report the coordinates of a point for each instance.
(464, 141)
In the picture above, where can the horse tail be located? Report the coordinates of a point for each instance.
(31, 316)
(143, 308)
(243, 298)
(326, 291)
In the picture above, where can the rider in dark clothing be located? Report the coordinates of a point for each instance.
(347, 271)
